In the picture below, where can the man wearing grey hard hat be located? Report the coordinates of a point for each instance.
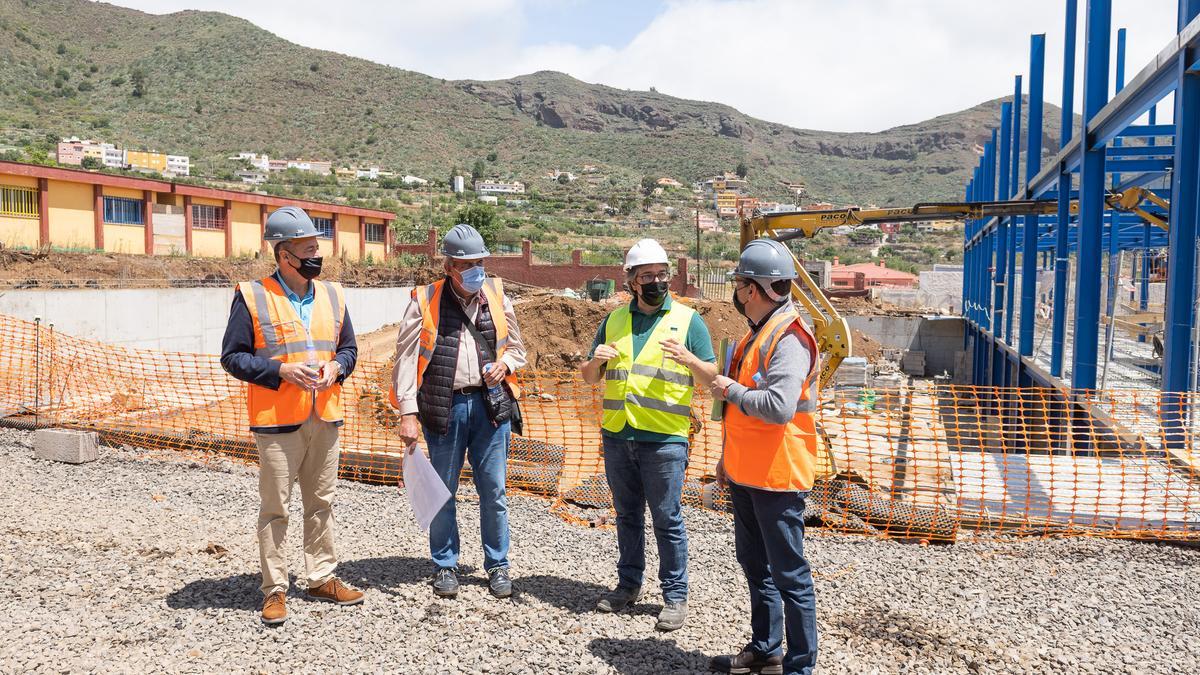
(768, 462)
(289, 337)
(457, 350)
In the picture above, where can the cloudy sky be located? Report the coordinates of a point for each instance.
(843, 65)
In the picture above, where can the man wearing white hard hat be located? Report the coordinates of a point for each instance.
(649, 355)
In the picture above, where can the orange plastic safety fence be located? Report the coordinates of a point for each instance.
(928, 462)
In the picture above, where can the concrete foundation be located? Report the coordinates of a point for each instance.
(66, 445)
(940, 337)
(171, 319)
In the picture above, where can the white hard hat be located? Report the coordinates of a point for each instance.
(645, 252)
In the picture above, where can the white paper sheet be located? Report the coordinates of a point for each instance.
(426, 491)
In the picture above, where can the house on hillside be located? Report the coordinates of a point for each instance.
(494, 186)
(873, 274)
(668, 182)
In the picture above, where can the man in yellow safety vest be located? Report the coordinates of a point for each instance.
(649, 354)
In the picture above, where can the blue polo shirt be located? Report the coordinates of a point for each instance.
(698, 342)
(303, 306)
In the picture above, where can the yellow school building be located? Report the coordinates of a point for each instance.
(43, 207)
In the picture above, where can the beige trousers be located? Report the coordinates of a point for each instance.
(310, 455)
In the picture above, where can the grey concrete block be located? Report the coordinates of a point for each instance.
(66, 445)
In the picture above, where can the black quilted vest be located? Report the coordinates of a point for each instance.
(436, 394)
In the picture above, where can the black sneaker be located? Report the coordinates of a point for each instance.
(747, 662)
(499, 583)
(445, 583)
(618, 599)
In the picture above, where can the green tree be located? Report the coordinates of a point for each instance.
(742, 169)
(491, 157)
(92, 163)
(563, 179)
(478, 170)
(139, 81)
(648, 185)
(482, 217)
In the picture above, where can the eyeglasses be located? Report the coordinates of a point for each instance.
(650, 277)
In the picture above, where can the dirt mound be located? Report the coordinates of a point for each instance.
(722, 319)
(862, 345)
(557, 331)
(25, 269)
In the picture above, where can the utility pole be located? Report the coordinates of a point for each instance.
(698, 261)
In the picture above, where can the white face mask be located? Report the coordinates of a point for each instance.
(472, 279)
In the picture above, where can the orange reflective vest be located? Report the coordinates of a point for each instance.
(279, 334)
(429, 299)
(778, 457)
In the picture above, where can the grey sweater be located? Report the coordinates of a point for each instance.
(777, 396)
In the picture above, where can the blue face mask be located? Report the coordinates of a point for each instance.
(472, 279)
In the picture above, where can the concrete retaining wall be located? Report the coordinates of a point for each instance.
(171, 319)
(938, 336)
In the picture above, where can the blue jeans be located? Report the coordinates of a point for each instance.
(472, 436)
(768, 530)
(641, 473)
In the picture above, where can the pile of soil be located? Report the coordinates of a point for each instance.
(558, 331)
(863, 345)
(25, 269)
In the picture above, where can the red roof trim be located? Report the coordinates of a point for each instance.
(98, 178)
(83, 176)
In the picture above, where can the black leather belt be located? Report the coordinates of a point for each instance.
(467, 391)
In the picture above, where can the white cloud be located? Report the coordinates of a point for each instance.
(853, 65)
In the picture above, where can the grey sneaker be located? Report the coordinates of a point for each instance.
(672, 616)
(618, 599)
(499, 582)
(445, 583)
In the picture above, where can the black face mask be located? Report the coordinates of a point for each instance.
(655, 294)
(310, 268)
(737, 303)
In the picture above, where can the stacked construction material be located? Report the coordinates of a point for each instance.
(852, 372)
(913, 363)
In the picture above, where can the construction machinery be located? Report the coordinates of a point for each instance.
(829, 327)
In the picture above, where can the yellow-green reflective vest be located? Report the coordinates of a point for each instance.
(652, 392)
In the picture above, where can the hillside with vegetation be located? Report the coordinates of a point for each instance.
(207, 85)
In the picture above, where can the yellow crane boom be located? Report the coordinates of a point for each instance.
(829, 327)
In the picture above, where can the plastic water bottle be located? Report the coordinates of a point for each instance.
(495, 394)
(674, 336)
(310, 357)
(494, 390)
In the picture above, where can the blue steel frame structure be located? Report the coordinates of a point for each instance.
(1086, 165)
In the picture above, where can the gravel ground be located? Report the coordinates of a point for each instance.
(106, 569)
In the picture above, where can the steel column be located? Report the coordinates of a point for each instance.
(1091, 199)
(1180, 317)
(1062, 250)
(1015, 169)
(1033, 165)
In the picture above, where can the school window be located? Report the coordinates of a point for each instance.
(18, 201)
(208, 217)
(324, 226)
(375, 233)
(123, 211)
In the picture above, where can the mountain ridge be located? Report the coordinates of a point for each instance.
(213, 84)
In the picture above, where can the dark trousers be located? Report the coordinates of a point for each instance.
(769, 534)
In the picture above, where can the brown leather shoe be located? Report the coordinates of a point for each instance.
(335, 591)
(274, 610)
